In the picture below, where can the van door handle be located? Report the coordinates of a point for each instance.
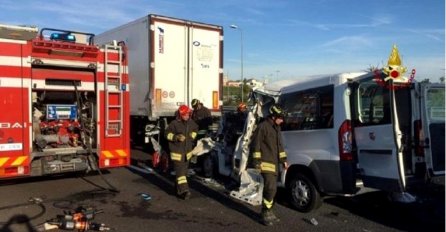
(372, 136)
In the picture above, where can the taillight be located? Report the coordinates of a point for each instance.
(418, 138)
(345, 138)
(157, 96)
(215, 100)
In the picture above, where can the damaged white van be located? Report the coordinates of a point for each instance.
(380, 128)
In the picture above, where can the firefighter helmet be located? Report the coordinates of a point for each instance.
(241, 107)
(183, 110)
(276, 111)
(194, 102)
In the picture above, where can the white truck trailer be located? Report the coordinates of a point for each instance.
(171, 61)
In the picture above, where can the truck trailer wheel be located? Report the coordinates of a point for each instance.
(304, 195)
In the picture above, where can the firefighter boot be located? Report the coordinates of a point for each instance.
(274, 217)
(185, 195)
(267, 218)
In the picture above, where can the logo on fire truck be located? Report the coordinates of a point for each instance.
(8, 125)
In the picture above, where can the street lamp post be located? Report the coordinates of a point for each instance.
(241, 57)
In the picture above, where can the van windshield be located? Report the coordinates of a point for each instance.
(435, 104)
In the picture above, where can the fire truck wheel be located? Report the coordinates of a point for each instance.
(304, 195)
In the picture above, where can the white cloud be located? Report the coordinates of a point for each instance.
(347, 44)
(435, 34)
(374, 22)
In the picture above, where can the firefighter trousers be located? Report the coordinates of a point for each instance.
(269, 190)
(181, 168)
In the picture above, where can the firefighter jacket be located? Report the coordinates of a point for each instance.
(202, 116)
(268, 149)
(181, 150)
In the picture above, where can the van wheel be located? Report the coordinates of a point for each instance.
(304, 195)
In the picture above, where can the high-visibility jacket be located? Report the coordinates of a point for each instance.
(181, 151)
(268, 149)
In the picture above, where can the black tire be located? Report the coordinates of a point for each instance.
(304, 195)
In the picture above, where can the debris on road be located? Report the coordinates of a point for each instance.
(79, 220)
(314, 222)
(146, 196)
(311, 221)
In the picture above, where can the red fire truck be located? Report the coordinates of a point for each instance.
(63, 102)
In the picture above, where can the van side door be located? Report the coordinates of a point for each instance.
(432, 111)
(377, 135)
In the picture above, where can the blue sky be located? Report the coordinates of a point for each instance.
(281, 39)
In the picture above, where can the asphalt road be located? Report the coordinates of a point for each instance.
(209, 209)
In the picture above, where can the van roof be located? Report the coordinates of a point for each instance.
(307, 82)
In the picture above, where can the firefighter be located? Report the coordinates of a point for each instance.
(181, 134)
(202, 116)
(242, 113)
(268, 153)
(233, 124)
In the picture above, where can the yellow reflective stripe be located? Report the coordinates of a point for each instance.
(182, 180)
(193, 135)
(257, 155)
(282, 154)
(189, 155)
(121, 153)
(19, 161)
(107, 154)
(170, 136)
(267, 203)
(264, 166)
(3, 160)
(175, 156)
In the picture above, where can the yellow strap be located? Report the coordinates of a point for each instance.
(170, 136)
(267, 203)
(282, 154)
(257, 155)
(175, 156)
(264, 166)
(182, 180)
(193, 135)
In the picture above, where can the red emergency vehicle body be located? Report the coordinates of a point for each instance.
(62, 104)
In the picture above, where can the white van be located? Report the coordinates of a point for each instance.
(354, 126)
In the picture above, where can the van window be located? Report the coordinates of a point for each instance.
(435, 104)
(308, 109)
(372, 104)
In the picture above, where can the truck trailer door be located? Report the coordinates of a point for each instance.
(205, 64)
(433, 126)
(377, 136)
(170, 49)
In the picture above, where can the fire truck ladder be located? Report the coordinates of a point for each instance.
(113, 91)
